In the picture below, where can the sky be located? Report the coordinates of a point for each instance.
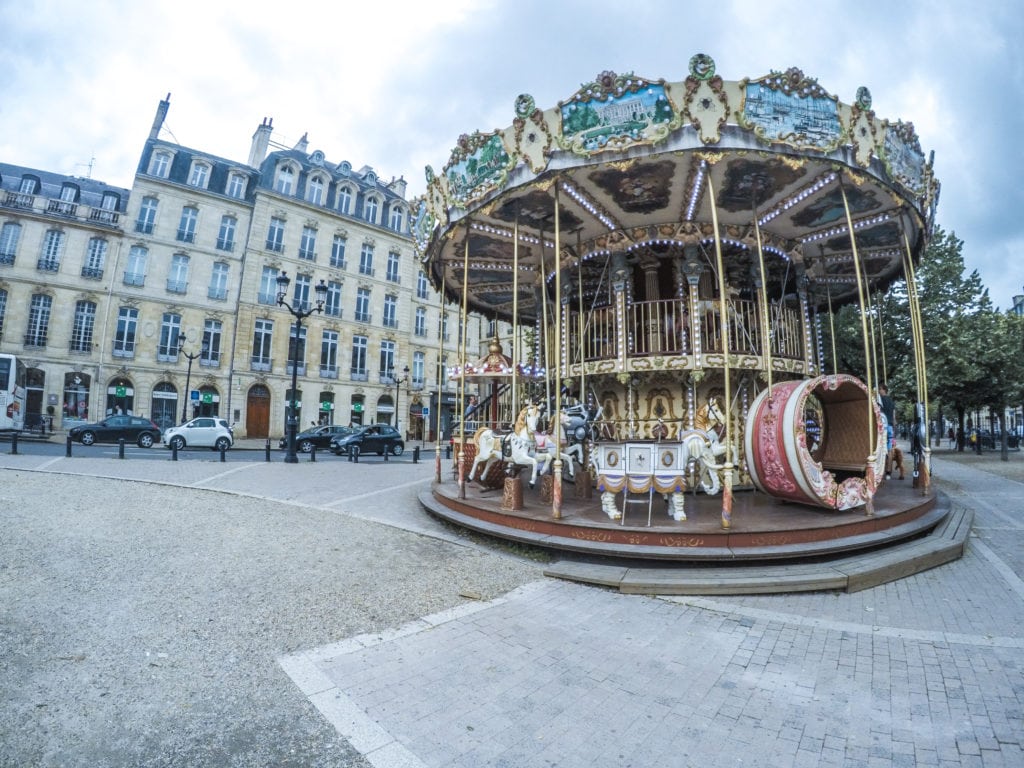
(393, 85)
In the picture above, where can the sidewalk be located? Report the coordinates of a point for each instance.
(427, 650)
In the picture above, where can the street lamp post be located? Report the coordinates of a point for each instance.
(398, 389)
(299, 314)
(188, 373)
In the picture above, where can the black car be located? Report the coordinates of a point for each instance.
(374, 438)
(133, 429)
(320, 437)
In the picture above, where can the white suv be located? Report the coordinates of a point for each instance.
(202, 432)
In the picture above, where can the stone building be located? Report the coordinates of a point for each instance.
(161, 300)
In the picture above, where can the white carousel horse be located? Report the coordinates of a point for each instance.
(522, 444)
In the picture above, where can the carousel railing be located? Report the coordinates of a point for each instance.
(663, 328)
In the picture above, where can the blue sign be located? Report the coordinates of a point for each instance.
(425, 411)
(194, 395)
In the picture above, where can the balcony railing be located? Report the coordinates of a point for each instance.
(48, 265)
(307, 254)
(80, 346)
(134, 278)
(267, 298)
(328, 371)
(144, 227)
(92, 273)
(7, 259)
(104, 216)
(333, 311)
(225, 245)
(62, 208)
(123, 349)
(359, 374)
(19, 200)
(259, 363)
(212, 360)
(274, 246)
(218, 294)
(177, 286)
(365, 270)
(301, 369)
(37, 340)
(339, 263)
(186, 236)
(362, 317)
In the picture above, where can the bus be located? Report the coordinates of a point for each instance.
(12, 393)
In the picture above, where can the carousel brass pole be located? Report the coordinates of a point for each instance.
(579, 324)
(441, 375)
(723, 314)
(871, 325)
(917, 332)
(544, 320)
(765, 321)
(462, 370)
(869, 474)
(515, 313)
(832, 331)
(881, 339)
(555, 429)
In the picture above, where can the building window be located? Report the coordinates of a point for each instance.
(316, 191)
(9, 235)
(300, 298)
(297, 349)
(160, 165)
(443, 326)
(187, 224)
(307, 246)
(262, 339)
(219, 281)
(392, 273)
(285, 180)
(396, 218)
(344, 200)
(422, 286)
(366, 260)
(390, 311)
(418, 366)
(95, 258)
(362, 305)
(359, 347)
(210, 353)
(332, 305)
(167, 347)
(200, 175)
(81, 331)
(38, 320)
(147, 216)
(275, 235)
(135, 272)
(53, 248)
(420, 328)
(387, 360)
(177, 278)
(127, 327)
(329, 355)
(29, 185)
(236, 186)
(226, 236)
(370, 210)
(268, 286)
(338, 252)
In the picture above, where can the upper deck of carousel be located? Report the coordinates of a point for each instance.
(641, 169)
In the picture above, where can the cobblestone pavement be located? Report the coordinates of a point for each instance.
(436, 652)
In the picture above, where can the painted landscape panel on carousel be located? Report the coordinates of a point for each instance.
(484, 166)
(643, 188)
(792, 118)
(904, 156)
(593, 124)
(536, 212)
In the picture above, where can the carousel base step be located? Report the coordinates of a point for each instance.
(851, 573)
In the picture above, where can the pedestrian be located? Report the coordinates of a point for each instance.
(888, 408)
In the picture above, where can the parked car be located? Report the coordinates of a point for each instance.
(134, 429)
(201, 432)
(320, 437)
(374, 438)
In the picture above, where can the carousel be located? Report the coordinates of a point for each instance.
(668, 256)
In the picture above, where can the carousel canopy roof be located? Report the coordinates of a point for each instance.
(637, 166)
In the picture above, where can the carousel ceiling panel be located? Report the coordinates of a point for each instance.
(536, 212)
(643, 188)
(827, 209)
(750, 184)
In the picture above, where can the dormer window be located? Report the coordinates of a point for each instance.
(344, 200)
(397, 218)
(200, 175)
(317, 158)
(370, 208)
(160, 164)
(371, 178)
(68, 193)
(285, 182)
(315, 191)
(236, 185)
(29, 185)
(345, 167)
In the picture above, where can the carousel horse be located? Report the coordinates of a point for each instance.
(521, 445)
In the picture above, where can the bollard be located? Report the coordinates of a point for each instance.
(350, 455)
(14, 443)
(223, 454)
(353, 451)
(120, 447)
(387, 453)
(416, 455)
(312, 454)
(67, 451)
(174, 451)
(268, 449)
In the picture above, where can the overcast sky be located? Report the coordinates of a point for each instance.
(393, 84)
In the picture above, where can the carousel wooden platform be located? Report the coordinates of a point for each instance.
(772, 546)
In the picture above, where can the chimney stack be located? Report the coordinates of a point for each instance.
(161, 115)
(260, 142)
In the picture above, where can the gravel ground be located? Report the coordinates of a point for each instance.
(140, 624)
